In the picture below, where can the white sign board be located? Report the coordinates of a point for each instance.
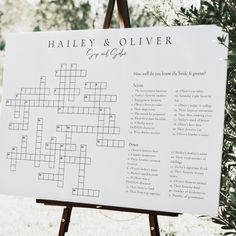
(126, 118)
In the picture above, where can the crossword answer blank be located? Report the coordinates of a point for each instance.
(62, 99)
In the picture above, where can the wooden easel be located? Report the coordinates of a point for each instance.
(65, 220)
(124, 20)
(123, 14)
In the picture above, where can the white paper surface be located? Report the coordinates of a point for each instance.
(128, 117)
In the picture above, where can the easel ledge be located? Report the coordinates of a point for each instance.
(153, 222)
(103, 207)
(124, 20)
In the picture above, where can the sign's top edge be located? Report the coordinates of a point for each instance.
(118, 29)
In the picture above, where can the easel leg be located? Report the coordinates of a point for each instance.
(154, 227)
(109, 13)
(65, 220)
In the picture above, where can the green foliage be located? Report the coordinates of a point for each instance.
(141, 17)
(219, 12)
(63, 15)
(223, 14)
(2, 43)
(1, 14)
(163, 12)
(14, 16)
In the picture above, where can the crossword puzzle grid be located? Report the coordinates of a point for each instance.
(57, 155)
